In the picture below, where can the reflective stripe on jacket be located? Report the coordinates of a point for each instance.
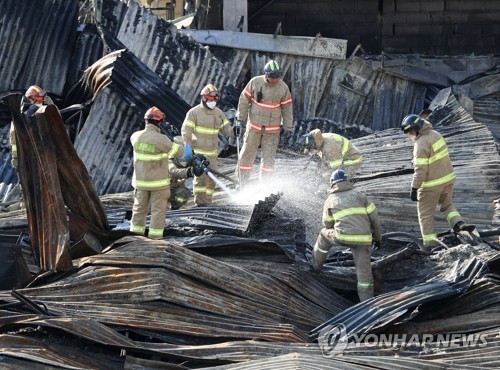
(12, 140)
(352, 214)
(431, 160)
(152, 151)
(201, 127)
(336, 150)
(274, 107)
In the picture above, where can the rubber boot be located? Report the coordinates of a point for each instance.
(462, 226)
(365, 293)
(318, 259)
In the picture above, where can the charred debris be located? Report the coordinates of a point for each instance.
(230, 286)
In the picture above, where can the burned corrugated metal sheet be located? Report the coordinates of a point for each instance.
(37, 42)
(382, 311)
(52, 177)
(122, 89)
(88, 49)
(185, 65)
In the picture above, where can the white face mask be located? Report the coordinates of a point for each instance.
(211, 104)
(411, 136)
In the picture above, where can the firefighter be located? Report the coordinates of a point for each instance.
(200, 130)
(350, 219)
(180, 171)
(264, 109)
(433, 178)
(335, 151)
(151, 179)
(37, 96)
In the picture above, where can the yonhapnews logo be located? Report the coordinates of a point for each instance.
(333, 339)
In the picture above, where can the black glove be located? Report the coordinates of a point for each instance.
(200, 162)
(413, 194)
(237, 130)
(376, 245)
(285, 136)
(189, 172)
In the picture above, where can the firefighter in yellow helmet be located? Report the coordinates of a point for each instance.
(200, 130)
(264, 108)
(350, 219)
(151, 179)
(335, 151)
(433, 178)
(37, 96)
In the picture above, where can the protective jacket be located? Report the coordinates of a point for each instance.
(431, 161)
(266, 105)
(201, 128)
(152, 150)
(179, 193)
(352, 215)
(336, 150)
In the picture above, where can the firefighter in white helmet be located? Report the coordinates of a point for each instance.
(200, 130)
(265, 109)
(151, 179)
(350, 219)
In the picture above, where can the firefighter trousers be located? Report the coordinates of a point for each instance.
(428, 200)
(158, 199)
(362, 260)
(204, 186)
(269, 145)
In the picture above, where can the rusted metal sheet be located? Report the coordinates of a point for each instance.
(42, 55)
(52, 177)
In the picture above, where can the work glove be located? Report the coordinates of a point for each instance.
(189, 172)
(286, 136)
(200, 162)
(188, 153)
(242, 124)
(376, 245)
(413, 194)
(237, 130)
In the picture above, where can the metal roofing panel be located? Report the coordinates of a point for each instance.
(37, 42)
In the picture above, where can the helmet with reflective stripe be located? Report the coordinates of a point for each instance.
(338, 176)
(35, 93)
(412, 121)
(209, 92)
(306, 142)
(154, 114)
(272, 69)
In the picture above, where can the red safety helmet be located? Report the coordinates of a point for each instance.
(154, 114)
(209, 93)
(35, 93)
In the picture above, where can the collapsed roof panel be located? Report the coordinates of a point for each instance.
(122, 89)
(37, 42)
(185, 65)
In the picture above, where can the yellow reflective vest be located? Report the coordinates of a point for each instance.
(152, 151)
(431, 160)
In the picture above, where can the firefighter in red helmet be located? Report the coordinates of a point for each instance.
(151, 180)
